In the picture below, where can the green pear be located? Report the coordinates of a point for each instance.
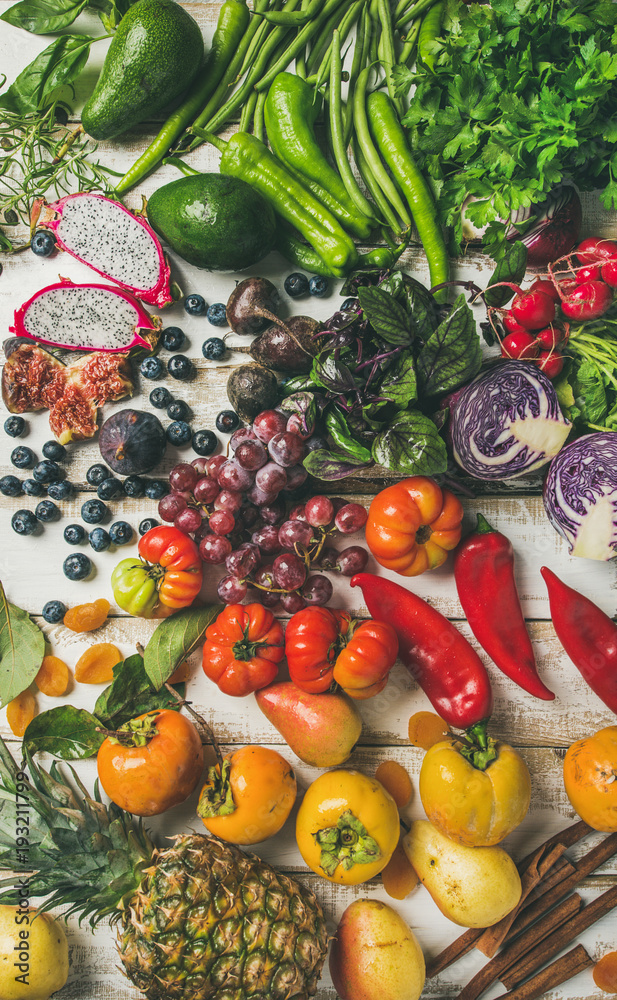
(375, 955)
(472, 886)
(321, 729)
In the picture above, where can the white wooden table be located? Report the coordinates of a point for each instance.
(31, 570)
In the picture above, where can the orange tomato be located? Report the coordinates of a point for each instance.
(251, 799)
(412, 525)
(590, 777)
(150, 778)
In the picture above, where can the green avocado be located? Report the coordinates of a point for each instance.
(212, 221)
(153, 58)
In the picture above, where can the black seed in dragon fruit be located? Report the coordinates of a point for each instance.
(111, 240)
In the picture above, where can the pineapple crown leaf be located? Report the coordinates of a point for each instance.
(82, 853)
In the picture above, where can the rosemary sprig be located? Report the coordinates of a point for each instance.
(43, 157)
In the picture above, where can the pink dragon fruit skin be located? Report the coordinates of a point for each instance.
(113, 241)
(86, 318)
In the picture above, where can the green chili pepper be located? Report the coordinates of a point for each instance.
(294, 18)
(290, 112)
(298, 43)
(232, 23)
(429, 31)
(248, 159)
(392, 143)
(338, 430)
(301, 255)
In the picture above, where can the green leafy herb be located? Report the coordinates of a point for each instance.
(44, 17)
(452, 355)
(131, 693)
(57, 65)
(338, 428)
(174, 640)
(331, 465)
(22, 648)
(387, 316)
(511, 268)
(411, 444)
(67, 732)
(400, 384)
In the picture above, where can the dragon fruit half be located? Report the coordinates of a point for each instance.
(111, 240)
(86, 318)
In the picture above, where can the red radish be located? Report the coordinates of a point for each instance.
(588, 301)
(520, 346)
(591, 272)
(533, 310)
(551, 363)
(609, 273)
(551, 337)
(546, 286)
(596, 249)
(110, 239)
(512, 325)
(565, 286)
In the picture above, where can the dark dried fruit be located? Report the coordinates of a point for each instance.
(132, 442)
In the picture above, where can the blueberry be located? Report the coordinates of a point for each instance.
(109, 489)
(22, 457)
(156, 489)
(195, 305)
(213, 349)
(47, 472)
(54, 450)
(60, 491)
(180, 367)
(14, 426)
(134, 486)
(97, 473)
(24, 522)
(179, 433)
(227, 421)
(152, 368)
(217, 314)
(10, 486)
(161, 397)
(349, 305)
(204, 442)
(121, 533)
(318, 285)
(46, 510)
(32, 489)
(296, 284)
(99, 539)
(74, 534)
(172, 338)
(147, 524)
(94, 511)
(178, 410)
(77, 566)
(43, 243)
(54, 612)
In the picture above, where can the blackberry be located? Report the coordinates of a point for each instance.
(54, 612)
(77, 566)
(74, 534)
(14, 426)
(23, 457)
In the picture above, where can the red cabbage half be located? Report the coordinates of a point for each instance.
(580, 495)
(507, 422)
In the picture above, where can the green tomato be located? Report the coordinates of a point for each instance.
(38, 944)
(134, 588)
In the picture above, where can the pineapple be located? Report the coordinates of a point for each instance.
(198, 920)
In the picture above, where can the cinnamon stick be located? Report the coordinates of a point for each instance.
(568, 838)
(512, 953)
(558, 972)
(553, 944)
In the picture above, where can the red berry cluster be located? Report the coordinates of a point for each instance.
(584, 292)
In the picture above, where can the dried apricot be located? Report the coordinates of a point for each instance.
(395, 780)
(87, 617)
(605, 972)
(180, 674)
(426, 729)
(20, 712)
(95, 666)
(398, 877)
(53, 676)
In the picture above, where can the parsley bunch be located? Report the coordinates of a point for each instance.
(522, 97)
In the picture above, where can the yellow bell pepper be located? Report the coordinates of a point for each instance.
(474, 806)
(347, 827)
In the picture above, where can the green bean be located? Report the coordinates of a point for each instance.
(371, 155)
(429, 30)
(409, 47)
(336, 132)
(296, 18)
(247, 112)
(405, 12)
(346, 25)
(369, 179)
(389, 55)
(298, 44)
(320, 44)
(360, 55)
(258, 125)
(181, 165)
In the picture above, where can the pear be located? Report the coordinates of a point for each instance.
(472, 886)
(321, 729)
(375, 955)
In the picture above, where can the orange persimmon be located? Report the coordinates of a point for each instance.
(590, 779)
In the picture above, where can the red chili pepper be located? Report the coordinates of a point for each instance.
(437, 655)
(484, 575)
(588, 636)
